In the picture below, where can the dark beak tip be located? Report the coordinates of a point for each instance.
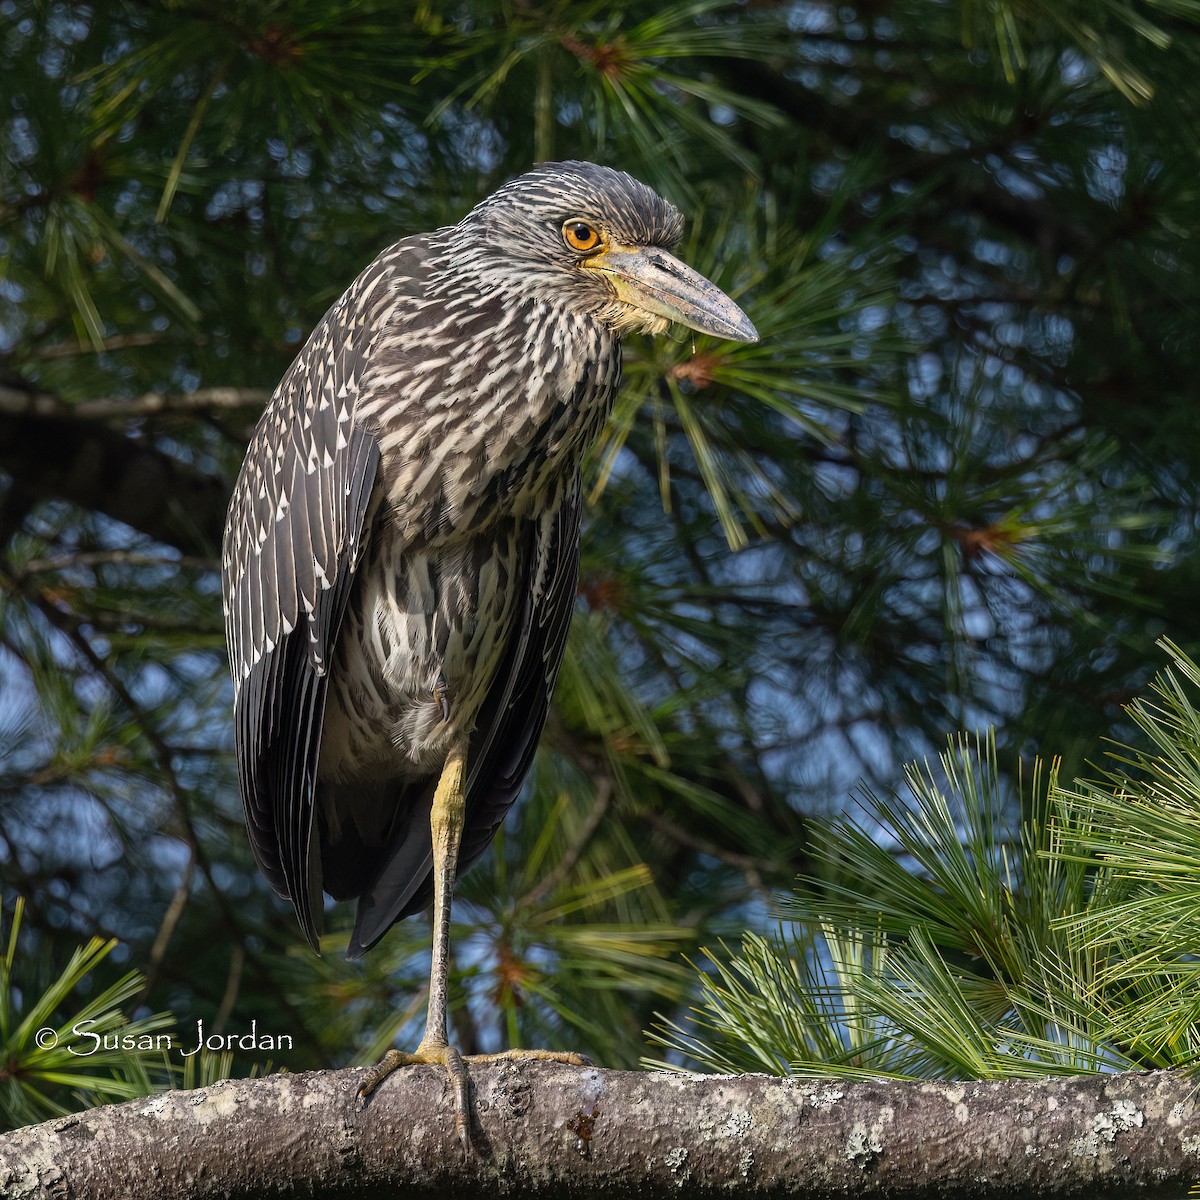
(743, 331)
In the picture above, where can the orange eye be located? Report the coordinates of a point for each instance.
(579, 235)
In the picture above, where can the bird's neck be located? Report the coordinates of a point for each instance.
(500, 398)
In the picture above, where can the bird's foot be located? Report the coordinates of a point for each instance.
(432, 1053)
(455, 1064)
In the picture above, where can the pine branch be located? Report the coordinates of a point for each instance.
(14, 402)
(568, 1132)
(68, 457)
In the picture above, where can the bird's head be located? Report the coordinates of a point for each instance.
(600, 242)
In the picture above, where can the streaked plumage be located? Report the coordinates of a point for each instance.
(401, 551)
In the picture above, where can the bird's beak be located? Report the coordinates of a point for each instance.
(650, 279)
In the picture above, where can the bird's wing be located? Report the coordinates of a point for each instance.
(510, 722)
(292, 543)
(506, 731)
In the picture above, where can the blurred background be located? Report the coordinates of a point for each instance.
(954, 485)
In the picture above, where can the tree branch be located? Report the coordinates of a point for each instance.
(66, 457)
(567, 1132)
(14, 402)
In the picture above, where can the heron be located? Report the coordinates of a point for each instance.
(401, 552)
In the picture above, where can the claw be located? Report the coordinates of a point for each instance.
(441, 693)
(456, 1071)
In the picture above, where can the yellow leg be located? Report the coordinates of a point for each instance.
(446, 824)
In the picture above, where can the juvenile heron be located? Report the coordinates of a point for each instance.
(401, 551)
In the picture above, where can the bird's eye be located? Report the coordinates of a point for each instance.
(579, 235)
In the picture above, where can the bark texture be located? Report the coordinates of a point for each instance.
(557, 1131)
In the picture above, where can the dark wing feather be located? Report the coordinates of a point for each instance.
(506, 731)
(292, 545)
(510, 723)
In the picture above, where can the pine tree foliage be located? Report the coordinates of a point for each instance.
(1143, 824)
(48, 1067)
(954, 485)
(943, 942)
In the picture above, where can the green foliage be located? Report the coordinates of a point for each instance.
(942, 946)
(52, 1063)
(953, 485)
(1142, 824)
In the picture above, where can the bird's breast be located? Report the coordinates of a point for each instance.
(420, 647)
